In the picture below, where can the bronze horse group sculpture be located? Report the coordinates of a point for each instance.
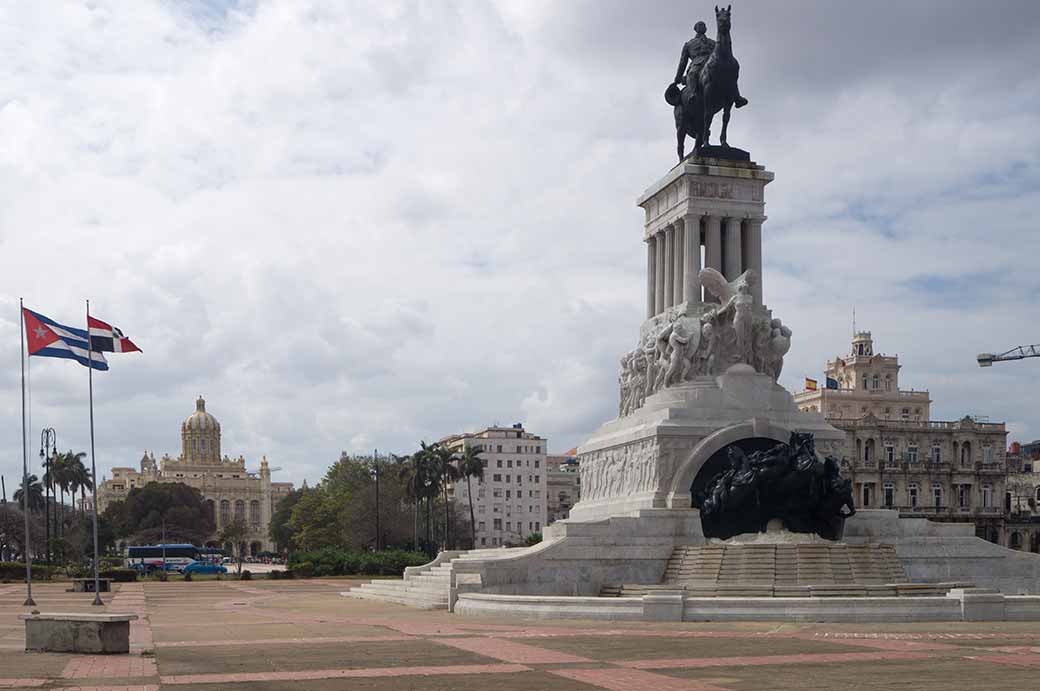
(787, 482)
(711, 89)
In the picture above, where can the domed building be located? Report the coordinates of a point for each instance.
(230, 491)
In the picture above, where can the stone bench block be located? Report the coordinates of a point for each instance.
(96, 634)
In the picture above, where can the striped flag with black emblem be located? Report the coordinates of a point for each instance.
(105, 338)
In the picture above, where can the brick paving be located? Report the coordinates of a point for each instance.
(274, 635)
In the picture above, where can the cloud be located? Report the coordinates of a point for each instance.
(355, 225)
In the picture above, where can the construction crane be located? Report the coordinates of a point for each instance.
(1019, 353)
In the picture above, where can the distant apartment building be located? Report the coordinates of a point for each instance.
(510, 502)
(898, 457)
(563, 485)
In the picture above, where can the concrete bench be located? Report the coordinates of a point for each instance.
(78, 633)
(86, 585)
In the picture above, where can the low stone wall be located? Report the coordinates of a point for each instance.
(959, 605)
(934, 552)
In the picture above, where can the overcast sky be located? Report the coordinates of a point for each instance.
(362, 224)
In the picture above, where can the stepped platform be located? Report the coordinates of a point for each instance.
(423, 587)
(810, 568)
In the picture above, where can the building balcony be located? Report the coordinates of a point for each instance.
(990, 468)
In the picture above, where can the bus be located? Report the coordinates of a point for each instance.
(150, 557)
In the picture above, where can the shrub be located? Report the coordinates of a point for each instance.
(120, 575)
(112, 562)
(303, 569)
(15, 571)
(247, 575)
(332, 561)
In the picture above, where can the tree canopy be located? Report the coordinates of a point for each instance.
(140, 517)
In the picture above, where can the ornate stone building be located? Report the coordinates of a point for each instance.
(898, 457)
(1022, 499)
(230, 491)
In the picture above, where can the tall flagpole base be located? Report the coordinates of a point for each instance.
(29, 602)
(97, 600)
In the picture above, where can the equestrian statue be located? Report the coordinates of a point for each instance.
(705, 83)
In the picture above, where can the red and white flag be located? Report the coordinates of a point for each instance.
(105, 338)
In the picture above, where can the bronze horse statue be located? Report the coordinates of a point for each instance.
(717, 90)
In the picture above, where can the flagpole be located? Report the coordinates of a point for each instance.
(29, 602)
(93, 463)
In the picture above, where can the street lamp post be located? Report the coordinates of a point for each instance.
(375, 472)
(48, 441)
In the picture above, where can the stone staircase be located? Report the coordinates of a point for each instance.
(784, 570)
(423, 587)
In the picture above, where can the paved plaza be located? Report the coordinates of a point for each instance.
(269, 635)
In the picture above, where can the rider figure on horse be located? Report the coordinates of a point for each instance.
(695, 53)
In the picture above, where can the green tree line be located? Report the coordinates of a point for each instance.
(416, 510)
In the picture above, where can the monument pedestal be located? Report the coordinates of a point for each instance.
(650, 458)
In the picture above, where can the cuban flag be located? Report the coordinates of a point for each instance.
(106, 338)
(48, 338)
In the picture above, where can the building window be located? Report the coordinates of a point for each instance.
(509, 464)
(508, 493)
(936, 454)
(536, 463)
(890, 454)
(937, 493)
(987, 496)
(497, 477)
(481, 526)
(876, 382)
(240, 510)
(497, 524)
(987, 454)
(499, 448)
(225, 512)
(964, 496)
(537, 526)
(254, 513)
(499, 463)
(912, 494)
(889, 490)
(866, 494)
(911, 454)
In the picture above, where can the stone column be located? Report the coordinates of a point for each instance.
(691, 258)
(731, 253)
(658, 273)
(677, 272)
(650, 277)
(712, 249)
(669, 265)
(754, 253)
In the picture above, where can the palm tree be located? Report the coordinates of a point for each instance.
(428, 481)
(408, 474)
(471, 465)
(65, 468)
(79, 478)
(444, 467)
(36, 500)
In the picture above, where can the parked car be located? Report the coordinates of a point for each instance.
(203, 567)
